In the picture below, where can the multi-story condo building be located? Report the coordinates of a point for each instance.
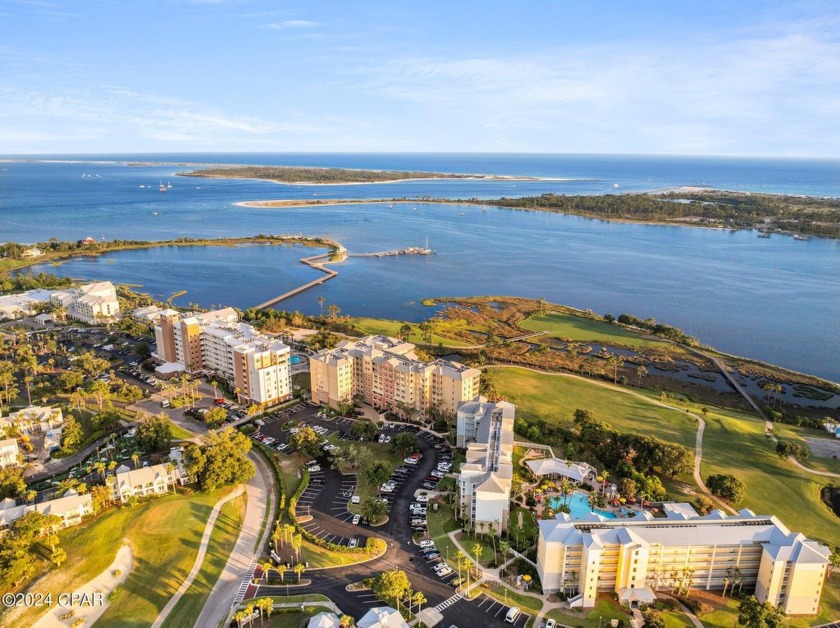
(33, 420)
(256, 366)
(70, 509)
(484, 480)
(9, 453)
(91, 303)
(636, 557)
(386, 373)
(144, 481)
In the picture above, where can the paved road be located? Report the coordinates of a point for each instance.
(261, 497)
(330, 519)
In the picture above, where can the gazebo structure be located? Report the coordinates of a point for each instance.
(576, 471)
(324, 620)
(382, 617)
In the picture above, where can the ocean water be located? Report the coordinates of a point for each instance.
(776, 300)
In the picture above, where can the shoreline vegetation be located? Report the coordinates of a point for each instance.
(11, 253)
(296, 175)
(11, 260)
(686, 207)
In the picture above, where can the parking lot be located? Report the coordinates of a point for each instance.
(498, 611)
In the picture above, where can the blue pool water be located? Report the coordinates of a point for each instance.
(296, 359)
(579, 505)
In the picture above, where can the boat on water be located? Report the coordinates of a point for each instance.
(462, 213)
(796, 236)
(168, 185)
(155, 213)
(162, 187)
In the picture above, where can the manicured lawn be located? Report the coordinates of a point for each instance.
(735, 444)
(384, 327)
(318, 557)
(301, 382)
(528, 530)
(554, 398)
(222, 540)
(165, 538)
(364, 488)
(798, 434)
(604, 610)
(676, 619)
(164, 535)
(292, 620)
(578, 328)
(179, 433)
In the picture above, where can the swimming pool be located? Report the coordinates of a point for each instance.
(578, 503)
(296, 359)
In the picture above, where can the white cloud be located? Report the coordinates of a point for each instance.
(292, 24)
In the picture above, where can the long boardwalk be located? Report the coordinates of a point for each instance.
(318, 262)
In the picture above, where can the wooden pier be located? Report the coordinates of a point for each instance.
(412, 250)
(318, 262)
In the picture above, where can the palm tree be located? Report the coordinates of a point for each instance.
(641, 371)
(266, 567)
(297, 541)
(603, 478)
(276, 535)
(299, 569)
(615, 361)
(266, 606)
(321, 301)
(135, 457)
(566, 488)
(504, 546)
(239, 617)
(281, 571)
(100, 466)
(478, 550)
(334, 310)
(419, 599)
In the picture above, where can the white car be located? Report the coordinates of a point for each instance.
(422, 498)
(427, 543)
(551, 624)
(412, 461)
(315, 469)
(356, 519)
(418, 511)
(352, 543)
(356, 499)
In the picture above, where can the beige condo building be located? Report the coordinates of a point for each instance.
(216, 343)
(385, 373)
(636, 557)
(485, 429)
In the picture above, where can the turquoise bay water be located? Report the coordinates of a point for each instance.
(776, 300)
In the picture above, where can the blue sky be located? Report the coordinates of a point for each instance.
(706, 78)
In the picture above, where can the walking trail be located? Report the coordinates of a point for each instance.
(199, 559)
(102, 584)
(242, 561)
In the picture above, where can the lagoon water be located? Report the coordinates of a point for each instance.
(777, 300)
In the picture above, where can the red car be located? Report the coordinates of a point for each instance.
(219, 402)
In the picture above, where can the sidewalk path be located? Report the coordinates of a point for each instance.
(261, 499)
(199, 559)
(104, 583)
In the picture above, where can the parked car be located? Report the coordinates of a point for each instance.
(352, 543)
(356, 519)
(512, 615)
(427, 543)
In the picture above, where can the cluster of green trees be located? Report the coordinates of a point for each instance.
(787, 449)
(222, 458)
(30, 281)
(296, 174)
(726, 486)
(755, 614)
(394, 587)
(630, 452)
(19, 552)
(818, 216)
(657, 329)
